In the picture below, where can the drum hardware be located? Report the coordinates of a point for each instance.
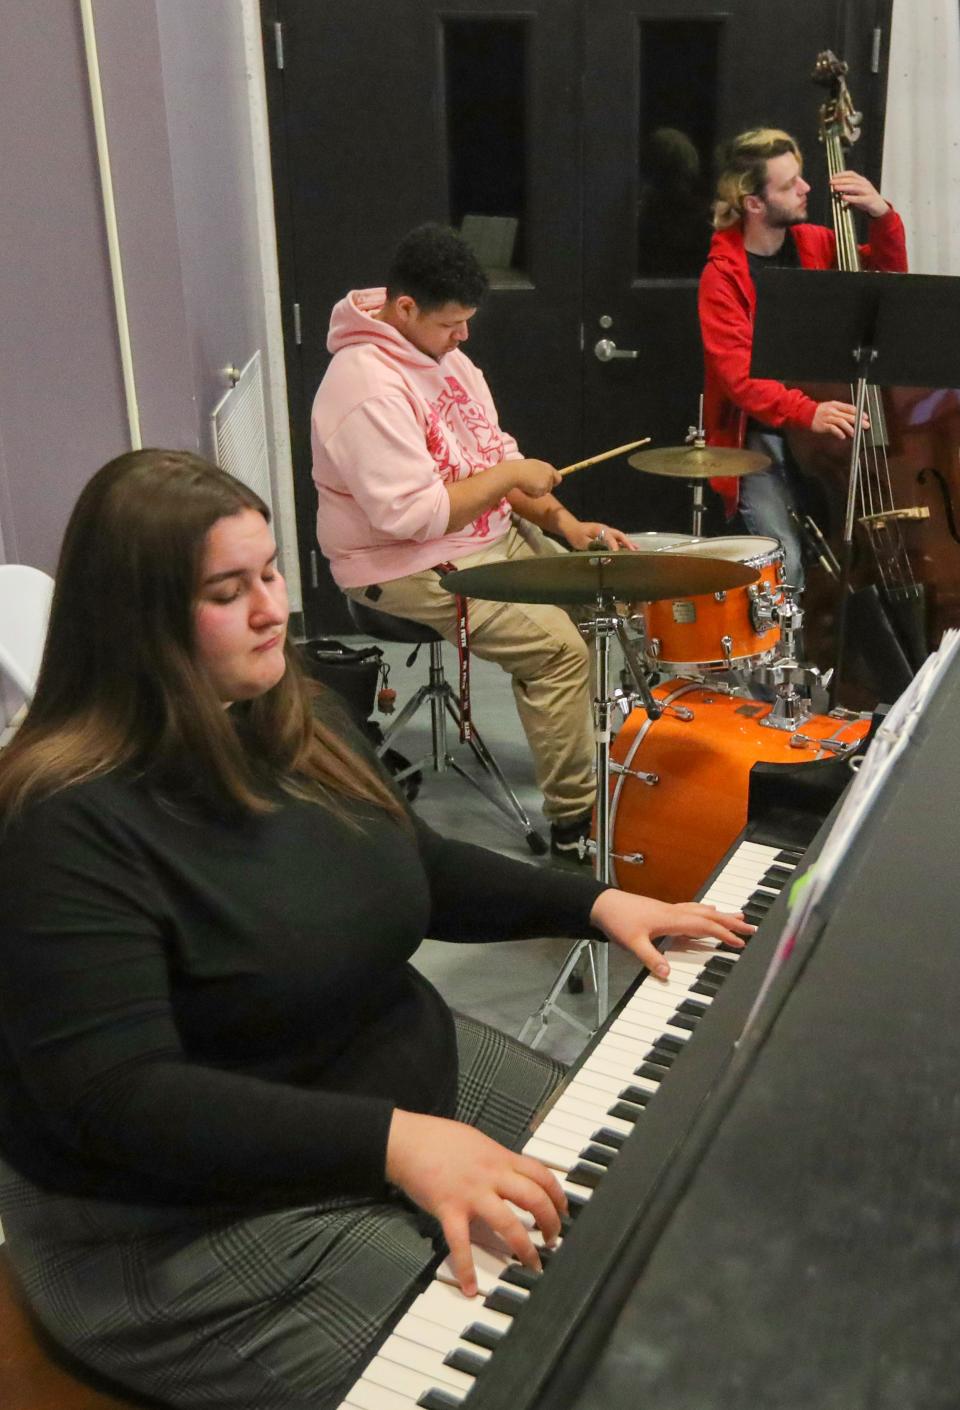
(722, 596)
(632, 859)
(726, 646)
(647, 778)
(685, 825)
(605, 624)
(602, 580)
(833, 746)
(696, 461)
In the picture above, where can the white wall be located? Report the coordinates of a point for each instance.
(921, 155)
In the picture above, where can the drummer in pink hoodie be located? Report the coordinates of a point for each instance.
(413, 470)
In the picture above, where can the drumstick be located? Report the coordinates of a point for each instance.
(607, 455)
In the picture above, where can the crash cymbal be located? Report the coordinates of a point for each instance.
(699, 462)
(582, 577)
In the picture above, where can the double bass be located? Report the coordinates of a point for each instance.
(907, 511)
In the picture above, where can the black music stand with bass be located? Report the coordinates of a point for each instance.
(874, 331)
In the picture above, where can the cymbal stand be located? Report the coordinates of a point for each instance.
(606, 623)
(697, 436)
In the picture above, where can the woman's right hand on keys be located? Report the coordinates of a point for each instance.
(457, 1174)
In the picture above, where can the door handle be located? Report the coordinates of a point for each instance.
(606, 350)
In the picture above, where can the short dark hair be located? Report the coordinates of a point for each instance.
(435, 266)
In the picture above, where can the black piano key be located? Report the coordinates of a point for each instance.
(436, 1399)
(776, 880)
(756, 915)
(718, 964)
(461, 1358)
(736, 949)
(693, 1007)
(482, 1335)
(789, 854)
(651, 1073)
(660, 1057)
(626, 1110)
(638, 1095)
(701, 987)
(587, 1175)
(600, 1155)
(504, 1299)
(520, 1277)
(606, 1137)
(681, 1020)
(672, 1044)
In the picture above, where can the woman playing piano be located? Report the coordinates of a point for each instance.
(236, 1125)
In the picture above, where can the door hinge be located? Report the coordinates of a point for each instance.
(875, 51)
(297, 327)
(314, 569)
(278, 42)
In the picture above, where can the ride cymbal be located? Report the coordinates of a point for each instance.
(567, 578)
(699, 462)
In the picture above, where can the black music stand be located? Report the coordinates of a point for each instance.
(869, 330)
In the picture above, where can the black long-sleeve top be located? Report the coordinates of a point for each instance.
(194, 1009)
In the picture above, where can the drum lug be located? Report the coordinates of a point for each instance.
(720, 596)
(653, 647)
(762, 609)
(649, 779)
(633, 859)
(833, 746)
(726, 643)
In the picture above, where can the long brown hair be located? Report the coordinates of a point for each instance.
(119, 683)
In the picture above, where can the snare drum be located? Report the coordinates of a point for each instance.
(653, 542)
(718, 630)
(682, 798)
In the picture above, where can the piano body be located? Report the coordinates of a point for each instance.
(779, 1223)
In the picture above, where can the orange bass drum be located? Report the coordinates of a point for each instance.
(681, 798)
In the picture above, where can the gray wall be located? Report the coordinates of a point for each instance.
(175, 94)
(61, 397)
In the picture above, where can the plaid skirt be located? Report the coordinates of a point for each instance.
(273, 1311)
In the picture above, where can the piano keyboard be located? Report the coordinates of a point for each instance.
(443, 1341)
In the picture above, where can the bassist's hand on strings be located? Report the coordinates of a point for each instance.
(858, 192)
(836, 418)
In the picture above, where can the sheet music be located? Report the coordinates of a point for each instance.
(889, 743)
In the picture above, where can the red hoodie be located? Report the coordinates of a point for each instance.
(728, 301)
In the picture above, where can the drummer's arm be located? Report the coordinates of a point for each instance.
(549, 514)
(486, 488)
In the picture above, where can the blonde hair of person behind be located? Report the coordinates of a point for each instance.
(742, 167)
(119, 684)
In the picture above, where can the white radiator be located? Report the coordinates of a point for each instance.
(240, 431)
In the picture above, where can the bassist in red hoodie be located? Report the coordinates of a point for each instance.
(760, 219)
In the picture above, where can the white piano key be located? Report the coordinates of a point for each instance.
(558, 1157)
(365, 1395)
(399, 1380)
(432, 1334)
(446, 1305)
(598, 1083)
(426, 1361)
(489, 1267)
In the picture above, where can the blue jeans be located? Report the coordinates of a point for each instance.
(767, 501)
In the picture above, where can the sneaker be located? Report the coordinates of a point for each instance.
(568, 840)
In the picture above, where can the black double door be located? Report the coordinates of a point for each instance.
(574, 141)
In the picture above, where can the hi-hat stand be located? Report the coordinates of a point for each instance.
(605, 624)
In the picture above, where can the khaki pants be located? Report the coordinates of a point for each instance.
(540, 648)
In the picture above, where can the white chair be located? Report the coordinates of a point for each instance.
(25, 595)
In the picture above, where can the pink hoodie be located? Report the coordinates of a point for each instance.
(390, 427)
